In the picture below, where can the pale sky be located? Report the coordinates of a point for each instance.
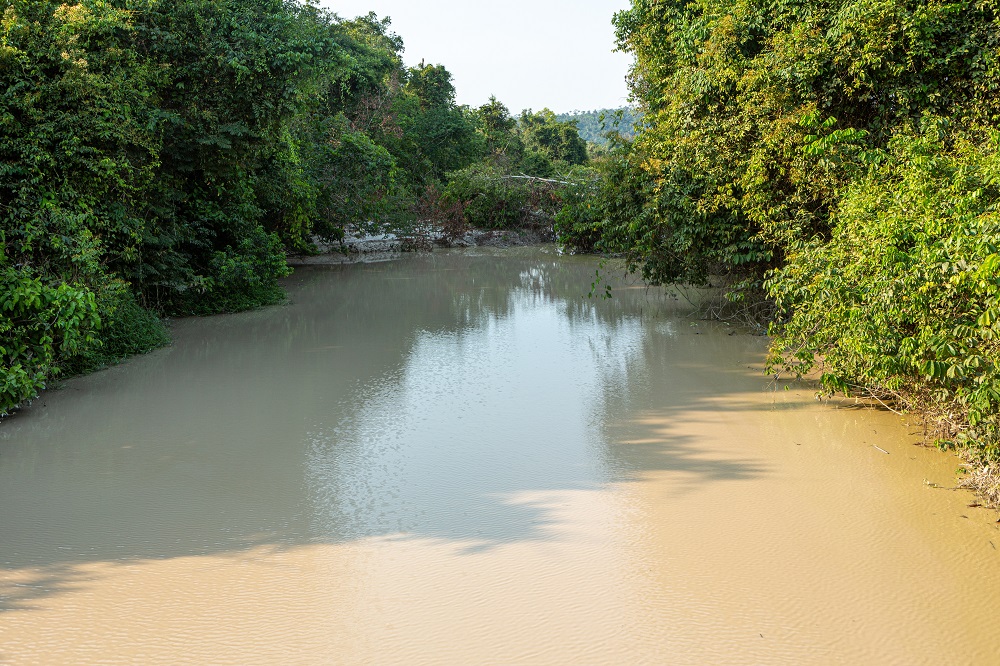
(529, 53)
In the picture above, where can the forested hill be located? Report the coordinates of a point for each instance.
(594, 124)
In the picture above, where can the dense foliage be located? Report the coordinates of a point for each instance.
(532, 166)
(594, 125)
(902, 303)
(160, 157)
(838, 158)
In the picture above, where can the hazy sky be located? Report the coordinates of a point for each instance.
(529, 53)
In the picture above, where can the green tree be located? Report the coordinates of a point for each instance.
(731, 92)
(167, 154)
(559, 141)
(432, 85)
(594, 125)
(77, 157)
(499, 131)
(841, 156)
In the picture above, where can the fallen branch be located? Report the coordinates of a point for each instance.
(542, 180)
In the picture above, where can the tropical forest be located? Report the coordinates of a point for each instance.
(686, 355)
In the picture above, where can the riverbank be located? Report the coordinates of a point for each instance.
(458, 457)
(363, 248)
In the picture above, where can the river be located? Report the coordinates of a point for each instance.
(457, 457)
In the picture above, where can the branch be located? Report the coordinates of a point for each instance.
(541, 180)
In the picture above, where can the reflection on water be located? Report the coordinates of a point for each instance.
(487, 407)
(459, 458)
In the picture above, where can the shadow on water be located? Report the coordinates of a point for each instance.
(450, 396)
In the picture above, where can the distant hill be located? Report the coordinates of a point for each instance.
(591, 128)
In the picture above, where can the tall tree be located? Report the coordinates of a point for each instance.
(555, 139)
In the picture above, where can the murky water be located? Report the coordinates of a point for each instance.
(459, 458)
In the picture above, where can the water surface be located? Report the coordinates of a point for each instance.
(460, 458)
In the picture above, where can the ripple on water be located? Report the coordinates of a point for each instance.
(458, 458)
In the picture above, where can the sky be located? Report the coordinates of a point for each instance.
(530, 54)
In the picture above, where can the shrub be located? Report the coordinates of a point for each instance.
(902, 303)
(241, 277)
(126, 329)
(40, 324)
(493, 199)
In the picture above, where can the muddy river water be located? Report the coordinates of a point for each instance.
(459, 458)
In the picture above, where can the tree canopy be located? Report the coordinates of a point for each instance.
(839, 159)
(161, 157)
(594, 125)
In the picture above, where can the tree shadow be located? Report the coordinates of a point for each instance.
(456, 407)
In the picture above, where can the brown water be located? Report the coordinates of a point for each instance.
(458, 458)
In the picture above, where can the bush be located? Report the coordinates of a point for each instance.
(538, 165)
(40, 324)
(126, 329)
(902, 303)
(493, 199)
(241, 277)
(579, 224)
